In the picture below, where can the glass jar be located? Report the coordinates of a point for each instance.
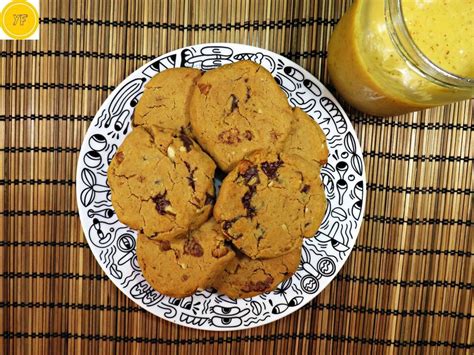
(397, 56)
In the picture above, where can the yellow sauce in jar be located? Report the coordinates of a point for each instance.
(444, 31)
(370, 73)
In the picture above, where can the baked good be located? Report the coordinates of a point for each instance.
(178, 268)
(161, 182)
(306, 138)
(245, 277)
(165, 101)
(237, 109)
(268, 202)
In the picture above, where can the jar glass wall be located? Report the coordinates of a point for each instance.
(376, 64)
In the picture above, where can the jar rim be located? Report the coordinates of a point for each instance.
(407, 48)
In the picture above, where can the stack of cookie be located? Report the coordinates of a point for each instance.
(248, 238)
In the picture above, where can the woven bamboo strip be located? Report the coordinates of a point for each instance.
(406, 287)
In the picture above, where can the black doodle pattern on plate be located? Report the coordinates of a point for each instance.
(158, 65)
(322, 256)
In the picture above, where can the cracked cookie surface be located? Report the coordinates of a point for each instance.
(269, 202)
(161, 182)
(165, 101)
(306, 138)
(245, 277)
(236, 109)
(178, 268)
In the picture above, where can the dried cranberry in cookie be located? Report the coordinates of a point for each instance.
(269, 202)
(237, 109)
(180, 267)
(161, 182)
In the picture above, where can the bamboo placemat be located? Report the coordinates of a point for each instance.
(407, 287)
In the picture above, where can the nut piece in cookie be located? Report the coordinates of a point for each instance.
(165, 101)
(180, 267)
(268, 202)
(306, 139)
(236, 109)
(161, 182)
(245, 277)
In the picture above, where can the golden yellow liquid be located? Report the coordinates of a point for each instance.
(368, 71)
(444, 31)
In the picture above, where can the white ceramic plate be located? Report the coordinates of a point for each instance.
(113, 243)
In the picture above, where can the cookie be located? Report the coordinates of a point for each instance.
(178, 268)
(269, 202)
(161, 182)
(237, 109)
(245, 277)
(306, 139)
(165, 101)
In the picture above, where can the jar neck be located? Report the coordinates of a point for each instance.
(410, 52)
